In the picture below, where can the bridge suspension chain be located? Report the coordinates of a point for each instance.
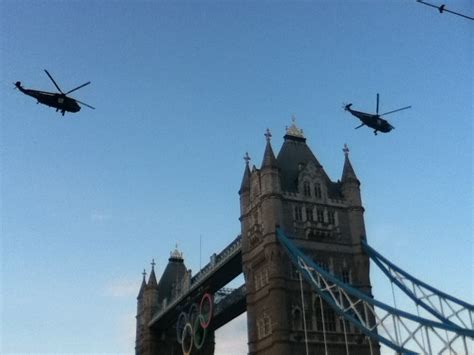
(376, 319)
(446, 308)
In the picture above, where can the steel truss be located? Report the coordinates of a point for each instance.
(446, 308)
(402, 331)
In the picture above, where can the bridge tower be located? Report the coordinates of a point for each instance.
(325, 218)
(153, 297)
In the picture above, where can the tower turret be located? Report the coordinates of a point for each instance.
(350, 183)
(140, 313)
(147, 341)
(244, 191)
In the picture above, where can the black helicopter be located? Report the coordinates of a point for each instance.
(374, 120)
(60, 100)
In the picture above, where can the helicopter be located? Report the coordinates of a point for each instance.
(60, 100)
(374, 120)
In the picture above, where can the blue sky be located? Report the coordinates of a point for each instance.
(182, 91)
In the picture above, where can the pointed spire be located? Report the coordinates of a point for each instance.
(245, 185)
(143, 286)
(348, 171)
(269, 160)
(152, 279)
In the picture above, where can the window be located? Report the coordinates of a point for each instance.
(267, 327)
(346, 276)
(323, 265)
(257, 280)
(326, 315)
(260, 332)
(295, 274)
(332, 217)
(317, 190)
(309, 213)
(320, 215)
(264, 326)
(297, 321)
(298, 213)
(306, 189)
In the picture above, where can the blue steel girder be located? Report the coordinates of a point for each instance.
(426, 293)
(394, 328)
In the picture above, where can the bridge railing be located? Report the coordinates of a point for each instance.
(216, 261)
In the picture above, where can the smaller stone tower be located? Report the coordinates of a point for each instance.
(153, 297)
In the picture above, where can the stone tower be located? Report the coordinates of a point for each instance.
(155, 296)
(152, 297)
(325, 220)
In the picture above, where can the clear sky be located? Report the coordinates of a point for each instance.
(182, 91)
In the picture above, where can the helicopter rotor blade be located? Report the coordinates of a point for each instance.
(80, 86)
(57, 87)
(403, 108)
(83, 103)
(377, 110)
(363, 124)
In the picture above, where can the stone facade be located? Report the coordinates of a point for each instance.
(325, 219)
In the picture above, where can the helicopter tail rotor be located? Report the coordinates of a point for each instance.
(346, 107)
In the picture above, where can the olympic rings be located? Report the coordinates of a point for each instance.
(180, 324)
(192, 327)
(188, 330)
(193, 313)
(199, 332)
(206, 318)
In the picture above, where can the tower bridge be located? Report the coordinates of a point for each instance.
(305, 258)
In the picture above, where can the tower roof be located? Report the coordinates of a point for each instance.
(143, 286)
(152, 279)
(173, 275)
(269, 160)
(294, 154)
(245, 185)
(348, 171)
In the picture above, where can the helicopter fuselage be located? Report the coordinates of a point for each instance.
(372, 121)
(59, 101)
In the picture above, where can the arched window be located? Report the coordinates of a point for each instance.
(325, 315)
(317, 190)
(296, 318)
(298, 213)
(306, 189)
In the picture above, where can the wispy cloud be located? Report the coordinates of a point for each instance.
(122, 288)
(98, 216)
(231, 339)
